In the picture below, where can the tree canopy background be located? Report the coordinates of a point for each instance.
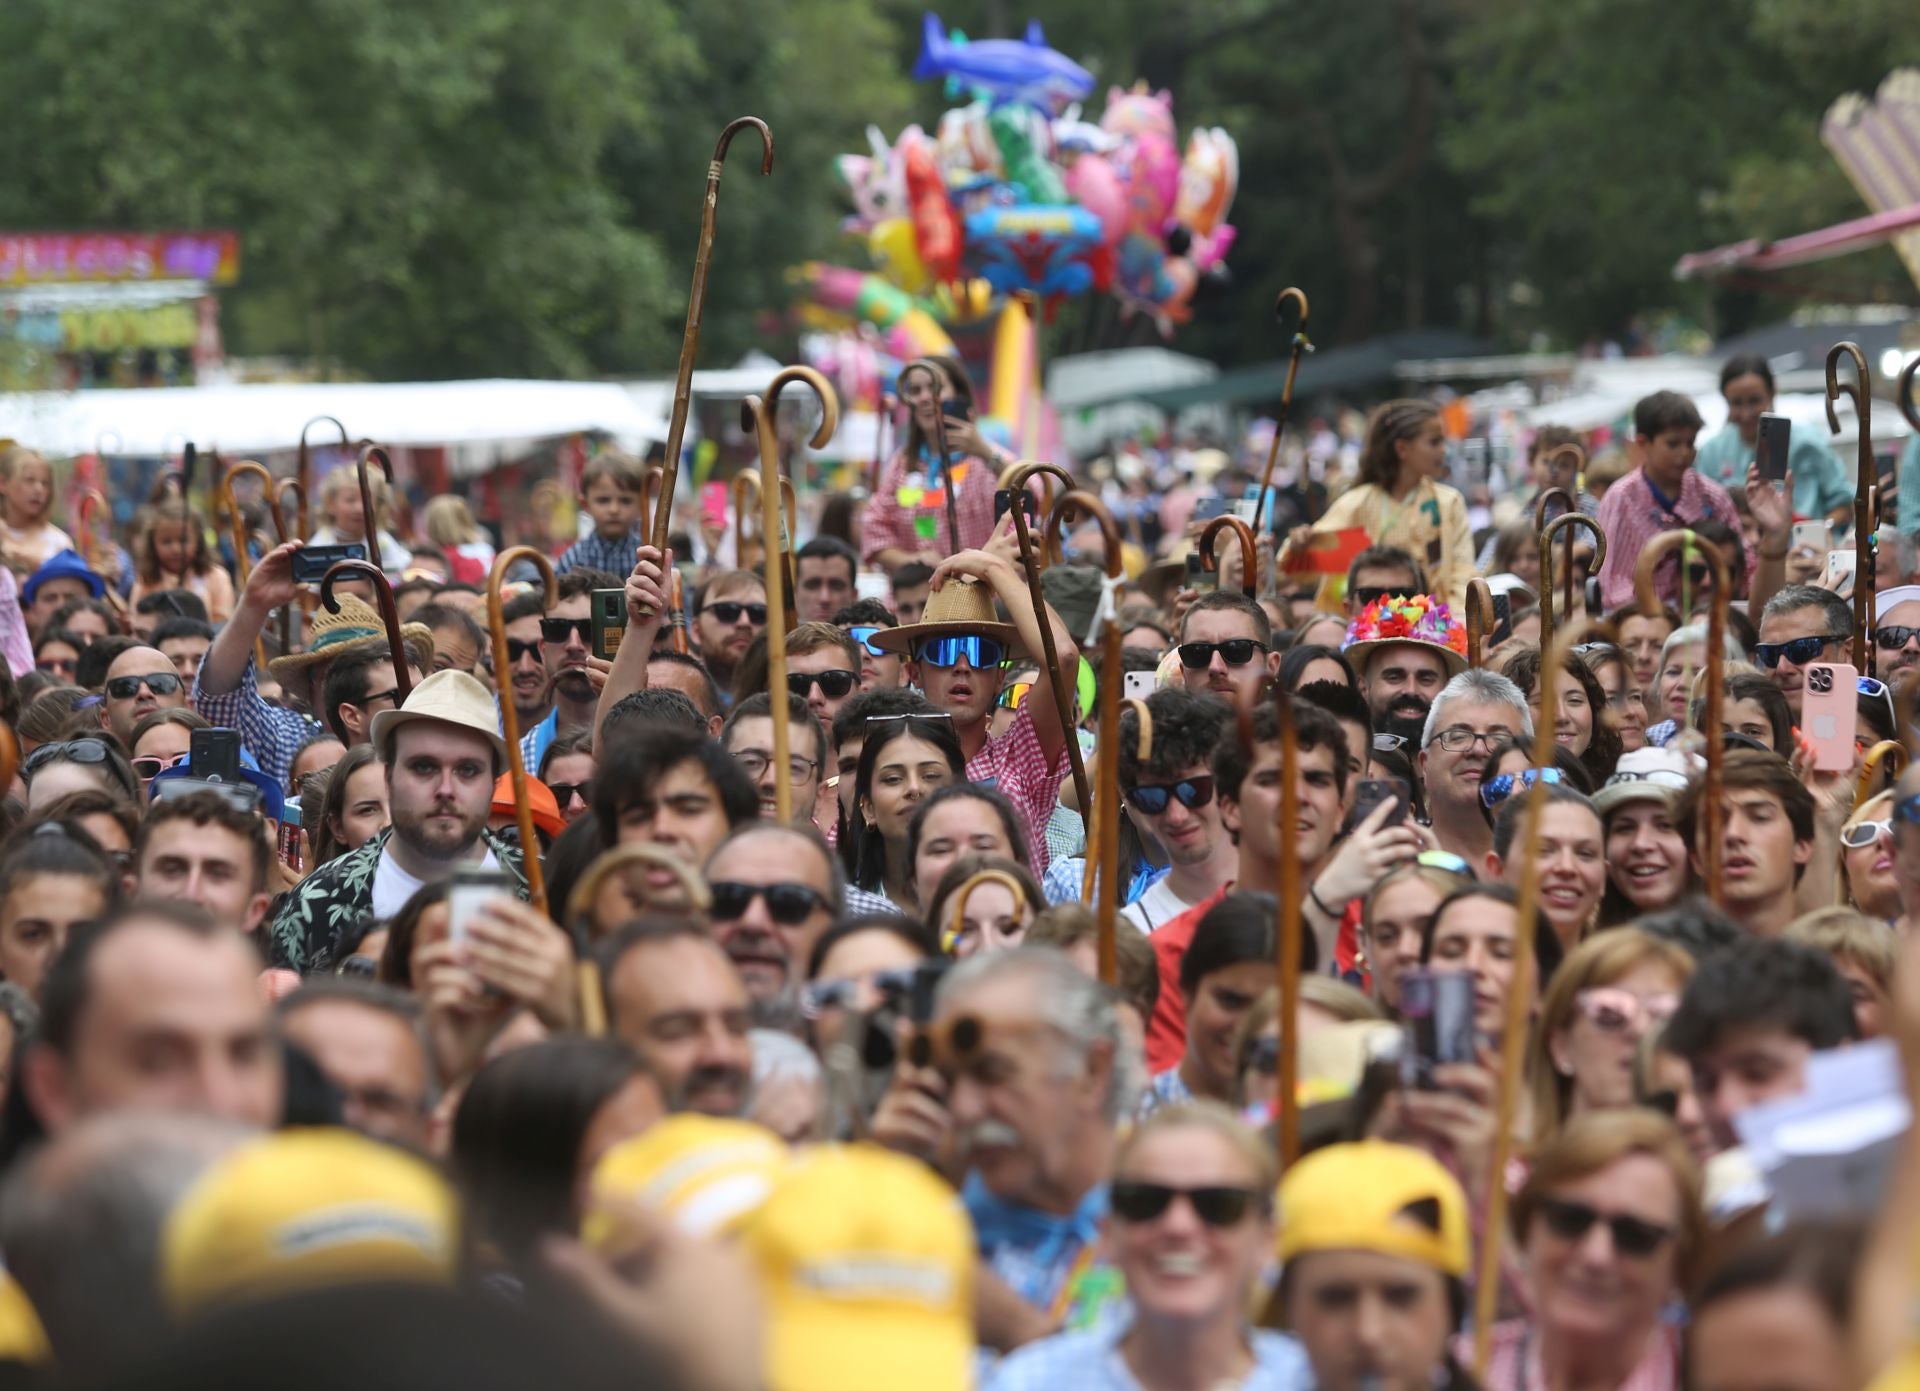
(441, 188)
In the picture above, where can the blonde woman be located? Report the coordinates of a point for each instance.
(1863, 950)
(1399, 500)
(1866, 859)
(451, 527)
(345, 520)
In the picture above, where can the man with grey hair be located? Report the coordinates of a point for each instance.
(1472, 710)
(81, 1222)
(1017, 1084)
(370, 1043)
(1801, 624)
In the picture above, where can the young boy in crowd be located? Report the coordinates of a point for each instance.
(612, 490)
(1663, 493)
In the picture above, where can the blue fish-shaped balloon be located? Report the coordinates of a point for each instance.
(1009, 69)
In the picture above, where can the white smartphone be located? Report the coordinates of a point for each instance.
(1839, 572)
(1137, 685)
(1816, 537)
(467, 890)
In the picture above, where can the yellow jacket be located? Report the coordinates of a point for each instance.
(1430, 525)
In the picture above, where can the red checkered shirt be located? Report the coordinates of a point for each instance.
(1014, 764)
(890, 520)
(1632, 516)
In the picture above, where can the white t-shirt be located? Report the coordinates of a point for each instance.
(393, 886)
(1155, 907)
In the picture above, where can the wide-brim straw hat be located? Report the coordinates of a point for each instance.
(959, 608)
(1421, 621)
(446, 697)
(358, 624)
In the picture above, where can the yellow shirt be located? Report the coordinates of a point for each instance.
(1430, 524)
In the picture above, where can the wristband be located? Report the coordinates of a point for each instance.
(1313, 896)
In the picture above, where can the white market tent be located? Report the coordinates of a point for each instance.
(479, 422)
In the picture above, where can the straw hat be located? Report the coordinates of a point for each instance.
(446, 697)
(959, 608)
(358, 624)
(1422, 621)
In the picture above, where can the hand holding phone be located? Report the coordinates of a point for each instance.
(468, 890)
(1773, 447)
(609, 613)
(311, 563)
(1200, 579)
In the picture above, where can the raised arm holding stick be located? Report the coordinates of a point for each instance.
(1860, 392)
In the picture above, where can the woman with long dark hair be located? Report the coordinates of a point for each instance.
(903, 761)
(907, 519)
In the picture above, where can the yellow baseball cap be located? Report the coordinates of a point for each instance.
(866, 1263)
(708, 1174)
(1355, 1198)
(305, 1208)
(22, 1339)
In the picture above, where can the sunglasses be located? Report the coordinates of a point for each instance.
(517, 650)
(1014, 694)
(1632, 1236)
(1494, 791)
(1263, 1055)
(727, 611)
(1907, 809)
(864, 636)
(833, 684)
(161, 683)
(946, 652)
(1374, 593)
(787, 904)
(1389, 743)
(1800, 651)
(1618, 1011)
(1235, 652)
(57, 666)
(1154, 798)
(66, 751)
(1658, 777)
(555, 630)
(1217, 1205)
(565, 792)
(1892, 637)
(1861, 834)
(149, 764)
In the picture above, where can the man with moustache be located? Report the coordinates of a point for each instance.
(775, 890)
(1800, 625)
(729, 614)
(673, 995)
(1226, 647)
(567, 660)
(1404, 651)
(1896, 632)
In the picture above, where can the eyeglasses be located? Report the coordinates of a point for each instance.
(1389, 743)
(727, 611)
(1235, 652)
(1800, 651)
(147, 765)
(374, 698)
(833, 683)
(1892, 637)
(1374, 593)
(1217, 1205)
(555, 630)
(1154, 798)
(66, 751)
(912, 715)
(864, 636)
(1617, 1011)
(980, 652)
(1496, 790)
(1861, 834)
(565, 792)
(1014, 694)
(518, 651)
(787, 904)
(161, 683)
(755, 762)
(1658, 777)
(1458, 737)
(1632, 1236)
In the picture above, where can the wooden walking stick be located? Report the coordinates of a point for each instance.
(1249, 551)
(1871, 764)
(1710, 827)
(1143, 749)
(957, 920)
(1567, 522)
(883, 418)
(1015, 474)
(303, 467)
(1907, 395)
(389, 615)
(1300, 345)
(1289, 927)
(370, 519)
(1031, 560)
(690, 340)
(1107, 751)
(237, 531)
(745, 484)
(676, 610)
(1481, 620)
(1860, 392)
(1514, 1031)
(760, 415)
(1547, 497)
(949, 485)
(300, 518)
(630, 856)
(91, 500)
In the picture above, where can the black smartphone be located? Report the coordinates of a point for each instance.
(214, 755)
(243, 796)
(1436, 1008)
(1373, 791)
(954, 409)
(920, 990)
(1200, 579)
(609, 621)
(1776, 440)
(311, 563)
(1003, 500)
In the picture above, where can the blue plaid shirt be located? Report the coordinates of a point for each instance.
(593, 553)
(273, 734)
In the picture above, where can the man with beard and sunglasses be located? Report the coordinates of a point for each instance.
(1896, 632)
(775, 890)
(1226, 647)
(1800, 625)
(1405, 650)
(566, 654)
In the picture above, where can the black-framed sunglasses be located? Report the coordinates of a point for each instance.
(787, 904)
(833, 683)
(1632, 1236)
(161, 683)
(728, 611)
(1154, 798)
(66, 751)
(1891, 637)
(1799, 651)
(518, 650)
(1217, 1205)
(565, 792)
(554, 631)
(1373, 593)
(1235, 652)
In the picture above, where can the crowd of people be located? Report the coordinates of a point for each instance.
(311, 1053)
